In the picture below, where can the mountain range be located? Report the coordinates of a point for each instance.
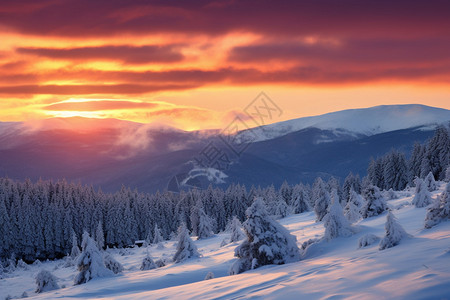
(109, 153)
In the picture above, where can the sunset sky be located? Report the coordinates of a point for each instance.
(196, 64)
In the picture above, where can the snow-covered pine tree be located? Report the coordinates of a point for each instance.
(99, 236)
(148, 263)
(267, 241)
(367, 240)
(236, 231)
(300, 199)
(335, 223)
(394, 232)
(157, 237)
(209, 276)
(415, 162)
(112, 264)
(280, 208)
(439, 209)
(422, 196)
(205, 226)
(46, 281)
(430, 182)
(374, 202)
(321, 199)
(90, 262)
(202, 225)
(352, 210)
(185, 246)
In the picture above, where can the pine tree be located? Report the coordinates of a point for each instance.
(46, 281)
(300, 199)
(112, 264)
(157, 238)
(374, 202)
(439, 210)
(185, 247)
(99, 236)
(352, 210)
(321, 199)
(236, 231)
(430, 182)
(280, 208)
(267, 241)
(422, 196)
(335, 222)
(90, 262)
(148, 263)
(75, 250)
(394, 232)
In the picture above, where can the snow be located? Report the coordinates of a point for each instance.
(417, 268)
(366, 121)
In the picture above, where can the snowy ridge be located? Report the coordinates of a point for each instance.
(365, 121)
(417, 268)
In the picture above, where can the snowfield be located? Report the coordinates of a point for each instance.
(418, 268)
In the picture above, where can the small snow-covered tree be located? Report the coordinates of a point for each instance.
(157, 237)
(394, 232)
(185, 247)
(90, 262)
(352, 210)
(46, 281)
(209, 276)
(75, 250)
(439, 210)
(321, 199)
(300, 199)
(280, 208)
(430, 182)
(112, 264)
(422, 196)
(374, 204)
(267, 241)
(99, 236)
(367, 240)
(335, 223)
(236, 231)
(148, 263)
(205, 226)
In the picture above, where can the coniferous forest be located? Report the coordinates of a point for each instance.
(42, 220)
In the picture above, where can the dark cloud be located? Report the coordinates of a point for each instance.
(363, 52)
(402, 18)
(127, 54)
(89, 89)
(99, 105)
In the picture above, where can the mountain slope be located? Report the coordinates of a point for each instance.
(364, 121)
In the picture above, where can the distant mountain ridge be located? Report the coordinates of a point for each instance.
(108, 153)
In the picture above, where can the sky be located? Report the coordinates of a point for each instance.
(199, 64)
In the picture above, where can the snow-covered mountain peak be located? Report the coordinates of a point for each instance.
(365, 121)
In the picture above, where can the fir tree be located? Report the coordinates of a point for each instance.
(99, 236)
(374, 202)
(321, 199)
(112, 264)
(46, 281)
(430, 182)
(236, 231)
(267, 241)
(90, 262)
(394, 232)
(185, 246)
(422, 196)
(148, 263)
(335, 222)
(352, 210)
(439, 210)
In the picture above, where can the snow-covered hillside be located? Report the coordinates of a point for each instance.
(365, 121)
(418, 268)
